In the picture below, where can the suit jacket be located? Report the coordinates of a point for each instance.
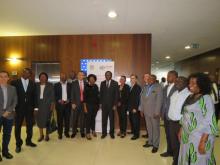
(151, 104)
(75, 92)
(109, 95)
(124, 95)
(48, 95)
(11, 101)
(166, 100)
(25, 99)
(58, 91)
(134, 98)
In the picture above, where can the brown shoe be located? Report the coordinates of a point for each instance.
(88, 137)
(94, 134)
(119, 134)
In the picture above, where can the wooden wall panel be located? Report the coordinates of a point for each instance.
(131, 52)
(206, 62)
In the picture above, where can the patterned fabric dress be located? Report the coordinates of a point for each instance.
(198, 118)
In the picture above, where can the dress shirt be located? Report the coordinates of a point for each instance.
(176, 103)
(170, 86)
(64, 91)
(25, 83)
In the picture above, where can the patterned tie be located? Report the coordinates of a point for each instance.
(81, 91)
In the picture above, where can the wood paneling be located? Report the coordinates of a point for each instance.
(206, 62)
(131, 52)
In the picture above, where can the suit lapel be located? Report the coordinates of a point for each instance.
(171, 91)
(8, 96)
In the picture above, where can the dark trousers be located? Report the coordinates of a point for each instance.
(217, 109)
(122, 116)
(7, 128)
(78, 115)
(175, 144)
(108, 112)
(28, 115)
(167, 132)
(63, 116)
(130, 120)
(136, 123)
(90, 117)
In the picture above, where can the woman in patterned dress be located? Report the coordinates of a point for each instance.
(199, 126)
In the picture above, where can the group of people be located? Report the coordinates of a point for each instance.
(188, 107)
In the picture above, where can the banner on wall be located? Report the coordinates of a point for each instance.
(99, 68)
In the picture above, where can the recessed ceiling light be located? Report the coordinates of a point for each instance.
(188, 47)
(112, 14)
(167, 57)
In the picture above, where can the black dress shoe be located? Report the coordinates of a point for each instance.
(166, 154)
(134, 138)
(145, 136)
(122, 135)
(7, 155)
(47, 138)
(0, 158)
(103, 136)
(41, 138)
(147, 145)
(112, 136)
(18, 149)
(83, 135)
(73, 135)
(154, 150)
(30, 144)
(67, 135)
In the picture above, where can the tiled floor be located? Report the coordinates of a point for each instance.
(80, 151)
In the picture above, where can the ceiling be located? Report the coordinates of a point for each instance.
(173, 23)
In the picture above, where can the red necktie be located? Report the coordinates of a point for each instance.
(81, 91)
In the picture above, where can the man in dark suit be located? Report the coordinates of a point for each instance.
(62, 92)
(8, 101)
(109, 95)
(77, 96)
(167, 93)
(133, 106)
(25, 108)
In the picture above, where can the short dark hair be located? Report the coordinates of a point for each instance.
(154, 76)
(203, 82)
(123, 76)
(43, 73)
(91, 75)
(28, 69)
(3, 71)
(175, 73)
(163, 79)
(134, 76)
(108, 72)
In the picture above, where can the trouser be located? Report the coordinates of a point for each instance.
(122, 115)
(136, 123)
(28, 115)
(108, 112)
(167, 132)
(7, 128)
(63, 116)
(78, 115)
(90, 117)
(217, 110)
(175, 144)
(153, 127)
(130, 120)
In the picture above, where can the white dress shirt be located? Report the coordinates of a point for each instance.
(176, 102)
(170, 86)
(214, 98)
(108, 83)
(25, 83)
(42, 87)
(64, 91)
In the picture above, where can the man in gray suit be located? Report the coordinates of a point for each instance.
(167, 93)
(8, 101)
(151, 103)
